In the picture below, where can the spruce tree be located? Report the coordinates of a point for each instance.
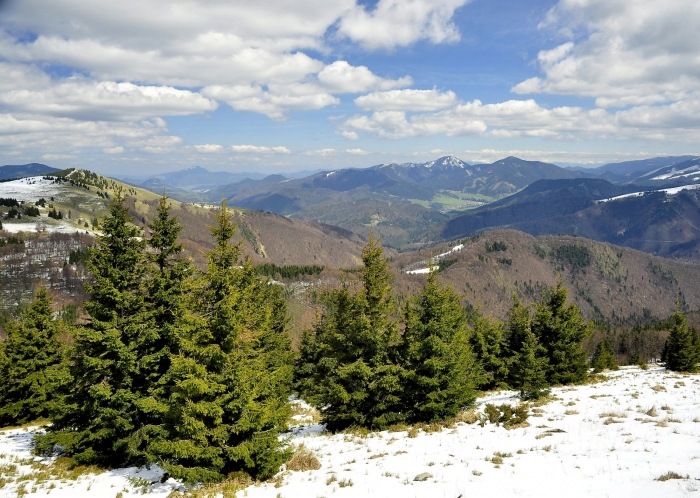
(603, 358)
(527, 364)
(100, 417)
(348, 364)
(682, 348)
(561, 330)
(232, 377)
(441, 370)
(487, 340)
(165, 305)
(32, 367)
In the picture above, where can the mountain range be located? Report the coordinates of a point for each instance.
(11, 172)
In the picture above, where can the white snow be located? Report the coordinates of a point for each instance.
(42, 225)
(419, 271)
(456, 248)
(669, 191)
(592, 441)
(30, 189)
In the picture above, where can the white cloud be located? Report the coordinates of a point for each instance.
(206, 148)
(356, 152)
(621, 52)
(678, 122)
(350, 135)
(57, 157)
(32, 91)
(274, 102)
(321, 152)
(407, 100)
(395, 23)
(53, 135)
(113, 150)
(260, 149)
(341, 77)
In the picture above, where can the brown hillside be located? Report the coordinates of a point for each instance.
(267, 237)
(608, 282)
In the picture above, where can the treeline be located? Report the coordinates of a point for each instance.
(287, 271)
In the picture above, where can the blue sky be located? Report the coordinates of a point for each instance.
(137, 87)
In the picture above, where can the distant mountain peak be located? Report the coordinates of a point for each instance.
(448, 162)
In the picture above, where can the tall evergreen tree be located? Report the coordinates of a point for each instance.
(100, 416)
(527, 363)
(232, 377)
(561, 330)
(32, 364)
(350, 356)
(441, 370)
(487, 340)
(165, 305)
(682, 347)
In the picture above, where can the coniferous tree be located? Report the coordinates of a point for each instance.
(603, 358)
(441, 370)
(231, 380)
(682, 346)
(100, 417)
(32, 364)
(561, 330)
(165, 306)
(487, 340)
(350, 356)
(527, 363)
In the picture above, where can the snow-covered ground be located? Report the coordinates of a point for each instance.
(31, 189)
(668, 191)
(436, 259)
(44, 224)
(610, 439)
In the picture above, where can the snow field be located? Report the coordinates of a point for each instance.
(613, 438)
(592, 441)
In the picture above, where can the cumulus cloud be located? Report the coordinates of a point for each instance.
(32, 91)
(394, 23)
(622, 53)
(526, 118)
(274, 102)
(260, 149)
(206, 148)
(356, 152)
(341, 77)
(407, 100)
(66, 135)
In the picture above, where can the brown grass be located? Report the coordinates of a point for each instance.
(303, 459)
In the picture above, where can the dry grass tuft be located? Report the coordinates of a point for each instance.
(303, 459)
(670, 475)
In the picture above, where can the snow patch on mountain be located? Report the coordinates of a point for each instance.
(668, 191)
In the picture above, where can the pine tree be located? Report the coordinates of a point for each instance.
(487, 340)
(350, 356)
(232, 377)
(603, 358)
(100, 417)
(32, 368)
(561, 330)
(441, 369)
(527, 364)
(682, 348)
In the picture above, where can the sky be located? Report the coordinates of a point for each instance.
(138, 87)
